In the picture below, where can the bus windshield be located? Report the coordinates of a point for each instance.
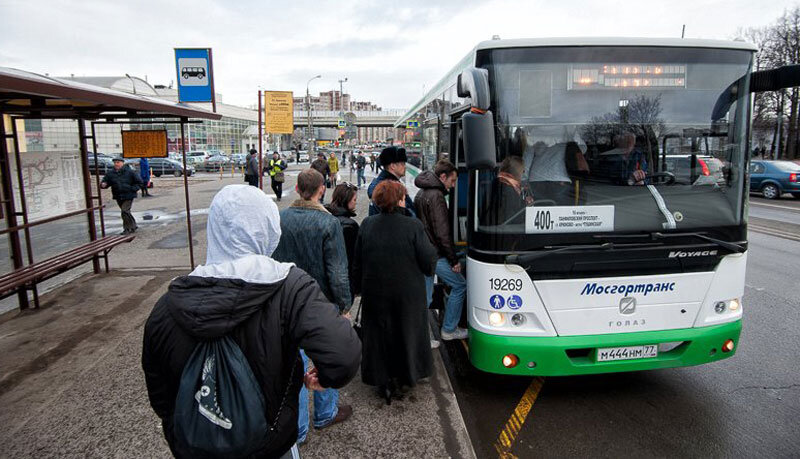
(613, 139)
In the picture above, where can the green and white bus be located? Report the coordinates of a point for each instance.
(588, 250)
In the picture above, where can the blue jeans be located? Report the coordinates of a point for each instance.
(325, 407)
(458, 290)
(360, 174)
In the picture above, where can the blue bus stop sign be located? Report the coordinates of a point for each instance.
(195, 75)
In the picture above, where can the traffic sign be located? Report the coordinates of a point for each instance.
(195, 75)
(412, 124)
(342, 123)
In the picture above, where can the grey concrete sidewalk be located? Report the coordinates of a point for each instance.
(71, 385)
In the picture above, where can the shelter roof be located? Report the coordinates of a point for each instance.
(31, 94)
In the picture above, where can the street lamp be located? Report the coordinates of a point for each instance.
(341, 94)
(341, 100)
(308, 114)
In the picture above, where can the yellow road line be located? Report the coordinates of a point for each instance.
(508, 436)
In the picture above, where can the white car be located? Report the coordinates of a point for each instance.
(197, 156)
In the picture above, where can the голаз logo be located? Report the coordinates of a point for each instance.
(627, 305)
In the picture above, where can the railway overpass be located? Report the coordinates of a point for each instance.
(381, 118)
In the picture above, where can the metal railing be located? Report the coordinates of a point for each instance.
(393, 113)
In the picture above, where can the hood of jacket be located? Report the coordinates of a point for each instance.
(209, 307)
(429, 180)
(239, 275)
(340, 212)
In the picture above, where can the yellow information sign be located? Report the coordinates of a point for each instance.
(278, 112)
(144, 144)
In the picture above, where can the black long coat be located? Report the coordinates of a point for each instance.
(392, 257)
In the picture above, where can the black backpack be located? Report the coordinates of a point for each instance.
(220, 409)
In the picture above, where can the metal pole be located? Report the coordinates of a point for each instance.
(211, 73)
(10, 211)
(97, 184)
(24, 205)
(310, 127)
(87, 189)
(310, 120)
(260, 138)
(186, 193)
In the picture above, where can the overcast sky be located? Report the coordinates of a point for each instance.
(389, 50)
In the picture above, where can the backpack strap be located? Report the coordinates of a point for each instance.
(285, 396)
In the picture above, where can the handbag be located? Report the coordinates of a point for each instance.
(278, 177)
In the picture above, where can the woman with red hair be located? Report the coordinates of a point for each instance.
(392, 257)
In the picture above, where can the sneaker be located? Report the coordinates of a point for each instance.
(435, 344)
(458, 333)
(345, 411)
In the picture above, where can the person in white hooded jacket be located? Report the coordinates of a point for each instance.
(270, 309)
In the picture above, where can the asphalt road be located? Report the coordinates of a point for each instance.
(745, 406)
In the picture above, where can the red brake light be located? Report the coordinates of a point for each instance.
(792, 177)
(704, 166)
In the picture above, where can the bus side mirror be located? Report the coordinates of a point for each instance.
(474, 83)
(787, 76)
(478, 136)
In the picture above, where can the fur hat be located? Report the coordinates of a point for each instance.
(391, 155)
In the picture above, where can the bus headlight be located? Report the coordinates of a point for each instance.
(721, 307)
(497, 319)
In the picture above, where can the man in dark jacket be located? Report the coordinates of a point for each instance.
(361, 164)
(393, 160)
(251, 173)
(432, 210)
(321, 165)
(270, 309)
(312, 239)
(125, 184)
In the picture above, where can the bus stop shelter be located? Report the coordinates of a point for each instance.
(29, 96)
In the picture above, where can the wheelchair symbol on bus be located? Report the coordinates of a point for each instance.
(514, 302)
(497, 302)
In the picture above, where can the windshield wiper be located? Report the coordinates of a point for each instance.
(732, 246)
(528, 257)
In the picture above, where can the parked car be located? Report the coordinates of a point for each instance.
(238, 159)
(104, 163)
(197, 157)
(773, 178)
(214, 163)
(707, 169)
(162, 166)
(303, 158)
(169, 166)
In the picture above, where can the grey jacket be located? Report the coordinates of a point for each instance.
(252, 166)
(312, 239)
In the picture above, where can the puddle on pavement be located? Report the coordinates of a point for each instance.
(150, 217)
(176, 240)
